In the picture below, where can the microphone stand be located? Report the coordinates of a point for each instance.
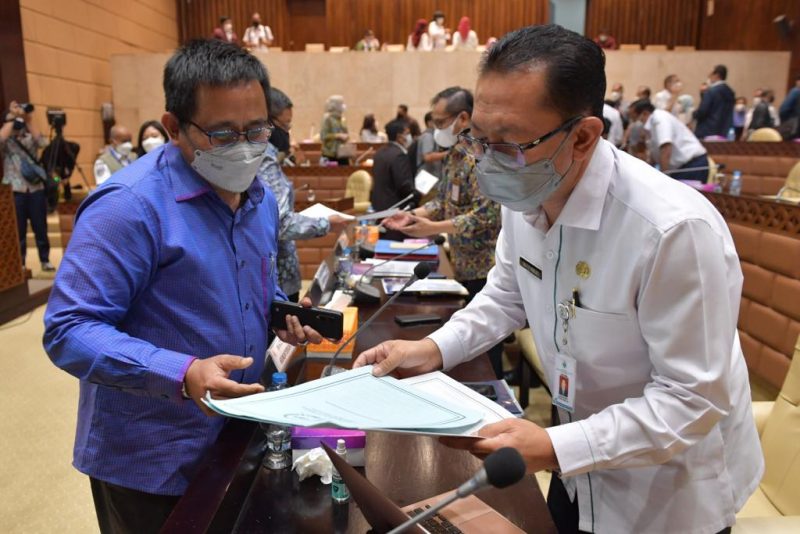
(426, 514)
(368, 293)
(331, 368)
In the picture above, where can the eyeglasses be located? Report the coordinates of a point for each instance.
(478, 148)
(258, 135)
(441, 124)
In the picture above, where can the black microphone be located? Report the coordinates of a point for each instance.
(368, 294)
(503, 468)
(422, 270)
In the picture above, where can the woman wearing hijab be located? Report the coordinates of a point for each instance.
(333, 133)
(419, 39)
(465, 38)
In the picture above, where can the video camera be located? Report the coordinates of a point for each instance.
(56, 118)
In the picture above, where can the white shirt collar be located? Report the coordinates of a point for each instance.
(404, 149)
(584, 207)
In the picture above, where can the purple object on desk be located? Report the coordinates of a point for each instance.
(310, 438)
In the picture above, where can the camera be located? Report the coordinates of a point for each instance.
(19, 124)
(27, 108)
(56, 118)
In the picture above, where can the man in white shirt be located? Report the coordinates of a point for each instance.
(615, 130)
(673, 146)
(631, 284)
(117, 155)
(258, 36)
(439, 35)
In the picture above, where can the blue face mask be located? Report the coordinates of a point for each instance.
(519, 189)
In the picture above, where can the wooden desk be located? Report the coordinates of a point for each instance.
(233, 493)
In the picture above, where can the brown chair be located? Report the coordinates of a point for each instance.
(775, 505)
(359, 186)
(656, 48)
(791, 189)
(684, 48)
(630, 47)
(315, 47)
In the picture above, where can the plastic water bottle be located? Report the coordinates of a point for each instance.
(736, 183)
(731, 134)
(344, 264)
(339, 491)
(279, 437)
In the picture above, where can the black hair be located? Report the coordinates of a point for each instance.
(721, 71)
(149, 124)
(278, 102)
(458, 100)
(669, 79)
(222, 19)
(208, 62)
(642, 105)
(403, 107)
(428, 117)
(436, 14)
(574, 66)
(395, 128)
(369, 123)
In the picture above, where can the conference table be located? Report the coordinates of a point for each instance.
(232, 492)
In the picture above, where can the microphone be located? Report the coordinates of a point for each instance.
(503, 468)
(422, 270)
(301, 188)
(366, 293)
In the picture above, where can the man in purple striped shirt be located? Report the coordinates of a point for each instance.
(165, 290)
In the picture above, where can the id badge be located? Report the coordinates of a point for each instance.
(563, 384)
(454, 191)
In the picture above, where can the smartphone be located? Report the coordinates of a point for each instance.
(417, 319)
(487, 390)
(329, 323)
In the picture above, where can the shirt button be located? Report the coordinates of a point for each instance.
(549, 255)
(241, 264)
(250, 349)
(246, 305)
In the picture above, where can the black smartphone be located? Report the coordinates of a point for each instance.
(417, 319)
(329, 323)
(487, 390)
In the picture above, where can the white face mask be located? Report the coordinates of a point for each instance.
(616, 96)
(447, 137)
(677, 86)
(522, 190)
(740, 108)
(124, 149)
(408, 140)
(756, 100)
(152, 143)
(231, 168)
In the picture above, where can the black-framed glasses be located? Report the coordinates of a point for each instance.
(478, 148)
(227, 137)
(440, 124)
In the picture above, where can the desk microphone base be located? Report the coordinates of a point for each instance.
(330, 370)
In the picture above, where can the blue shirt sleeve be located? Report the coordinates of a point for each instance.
(112, 256)
(788, 106)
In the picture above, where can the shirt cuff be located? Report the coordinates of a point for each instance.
(450, 346)
(166, 373)
(573, 450)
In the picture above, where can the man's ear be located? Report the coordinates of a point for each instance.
(587, 132)
(171, 124)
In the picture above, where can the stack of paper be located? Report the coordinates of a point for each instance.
(432, 286)
(430, 404)
(424, 181)
(397, 268)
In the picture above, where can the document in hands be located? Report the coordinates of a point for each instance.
(424, 181)
(320, 210)
(356, 399)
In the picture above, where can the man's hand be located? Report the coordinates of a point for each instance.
(211, 374)
(338, 223)
(410, 357)
(531, 440)
(297, 334)
(420, 227)
(16, 109)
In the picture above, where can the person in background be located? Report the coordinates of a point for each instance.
(605, 40)
(429, 155)
(616, 132)
(164, 293)
(617, 94)
(151, 136)
(667, 98)
(413, 125)
(739, 116)
(790, 107)
(631, 285)
(714, 116)
(392, 175)
(460, 209)
(672, 145)
(117, 155)
(224, 32)
(369, 131)
(292, 226)
(369, 43)
(419, 38)
(334, 129)
(20, 137)
(438, 33)
(643, 92)
(258, 36)
(465, 37)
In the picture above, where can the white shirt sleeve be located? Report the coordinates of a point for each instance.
(101, 172)
(662, 131)
(493, 314)
(683, 290)
(269, 36)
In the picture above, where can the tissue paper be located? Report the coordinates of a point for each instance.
(314, 462)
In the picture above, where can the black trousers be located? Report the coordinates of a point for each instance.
(565, 513)
(122, 510)
(701, 175)
(495, 353)
(32, 207)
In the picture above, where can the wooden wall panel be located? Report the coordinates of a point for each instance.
(669, 22)
(346, 20)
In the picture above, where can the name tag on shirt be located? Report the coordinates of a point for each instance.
(563, 383)
(454, 191)
(531, 268)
